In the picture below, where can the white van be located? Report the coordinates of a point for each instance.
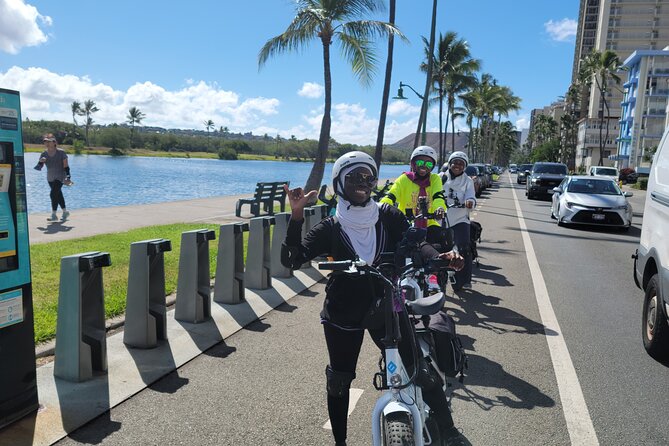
(651, 261)
(601, 171)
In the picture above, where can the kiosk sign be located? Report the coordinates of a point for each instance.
(11, 308)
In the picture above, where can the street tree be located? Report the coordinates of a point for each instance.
(378, 151)
(208, 124)
(331, 21)
(89, 108)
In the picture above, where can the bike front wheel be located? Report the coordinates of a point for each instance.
(398, 430)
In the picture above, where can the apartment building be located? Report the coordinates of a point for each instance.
(622, 26)
(643, 114)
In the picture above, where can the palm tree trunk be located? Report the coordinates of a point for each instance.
(451, 105)
(378, 152)
(428, 80)
(606, 138)
(442, 148)
(316, 175)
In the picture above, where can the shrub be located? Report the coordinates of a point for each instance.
(227, 153)
(642, 183)
(78, 146)
(116, 152)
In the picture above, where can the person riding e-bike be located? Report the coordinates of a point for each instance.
(360, 228)
(420, 182)
(459, 190)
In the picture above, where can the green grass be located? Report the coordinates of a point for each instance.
(45, 263)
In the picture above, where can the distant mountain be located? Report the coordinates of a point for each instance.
(432, 140)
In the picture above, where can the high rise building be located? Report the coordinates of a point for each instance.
(622, 26)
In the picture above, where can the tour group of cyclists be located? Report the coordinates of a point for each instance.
(363, 228)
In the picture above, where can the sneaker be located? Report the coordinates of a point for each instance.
(467, 286)
(53, 217)
(67, 214)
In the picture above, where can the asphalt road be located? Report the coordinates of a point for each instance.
(265, 385)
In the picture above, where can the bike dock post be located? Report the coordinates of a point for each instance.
(229, 283)
(81, 342)
(146, 314)
(309, 220)
(258, 263)
(321, 212)
(278, 236)
(193, 303)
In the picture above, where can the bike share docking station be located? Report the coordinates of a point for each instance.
(146, 313)
(229, 284)
(193, 302)
(278, 236)
(258, 262)
(18, 378)
(81, 336)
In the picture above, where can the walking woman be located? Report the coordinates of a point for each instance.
(57, 174)
(360, 228)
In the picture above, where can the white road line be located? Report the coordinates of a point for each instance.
(354, 396)
(579, 423)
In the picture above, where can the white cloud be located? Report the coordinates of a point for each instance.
(523, 122)
(402, 108)
(311, 90)
(19, 26)
(562, 30)
(48, 95)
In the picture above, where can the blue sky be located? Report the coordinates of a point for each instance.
(183, 63)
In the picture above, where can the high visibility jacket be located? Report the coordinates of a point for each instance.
(404, 195)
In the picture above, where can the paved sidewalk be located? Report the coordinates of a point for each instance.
(89, 222)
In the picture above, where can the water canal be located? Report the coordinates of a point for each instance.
(104, 181)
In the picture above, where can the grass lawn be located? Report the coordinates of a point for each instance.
(45, 263)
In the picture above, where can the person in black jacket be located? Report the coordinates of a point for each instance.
(360, 228)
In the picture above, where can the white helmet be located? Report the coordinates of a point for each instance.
(350, 159)
(424, 151)
(459, 155)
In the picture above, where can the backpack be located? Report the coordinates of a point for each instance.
(449, 353)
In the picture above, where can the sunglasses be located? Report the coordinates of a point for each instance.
(361, 178)
(427, 164)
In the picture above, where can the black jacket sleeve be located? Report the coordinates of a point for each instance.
(295, 251)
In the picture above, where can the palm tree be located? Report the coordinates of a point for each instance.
(76, 111)
(378, 151)
(135, 116)
(89, 109)
(327, 20)
(208, 124)
(422, 120)
(600, 68)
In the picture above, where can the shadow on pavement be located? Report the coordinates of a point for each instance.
(55, 227)
(153, 364)
(482, 311)
(483, 372)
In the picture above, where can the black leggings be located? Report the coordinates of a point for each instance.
(343, 350)
(56, 195)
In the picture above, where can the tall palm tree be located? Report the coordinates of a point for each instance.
(89, 108)
(600, 68)
(208, 124)
(422, 120)
(328, 21)
(76, 111)
(378, 151)
(135, 116)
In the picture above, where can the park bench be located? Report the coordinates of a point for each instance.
(266, 194)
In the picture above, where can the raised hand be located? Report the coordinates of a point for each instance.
(298, 200)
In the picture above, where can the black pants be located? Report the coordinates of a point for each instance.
(461, 232)
(56, 195)
(344, 348)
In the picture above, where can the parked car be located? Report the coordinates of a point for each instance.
(628, 175)
(601, 171)
(543, 178)
(523, 170)
(588, 200)
(486, 180)
(651, 261)
(513, 168)
(473, 173)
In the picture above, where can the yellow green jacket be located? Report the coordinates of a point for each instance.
(404, 194)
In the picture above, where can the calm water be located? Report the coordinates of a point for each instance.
(103, 181)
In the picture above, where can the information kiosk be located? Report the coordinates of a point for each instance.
(18, 385)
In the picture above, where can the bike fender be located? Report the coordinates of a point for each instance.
(393, 407)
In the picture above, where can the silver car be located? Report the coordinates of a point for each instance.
(591, 201)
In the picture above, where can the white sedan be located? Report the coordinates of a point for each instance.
(591, 201)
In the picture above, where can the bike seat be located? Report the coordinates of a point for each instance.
(426, 306)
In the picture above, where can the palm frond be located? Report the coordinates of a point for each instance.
(360, 55)
(300, 32)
